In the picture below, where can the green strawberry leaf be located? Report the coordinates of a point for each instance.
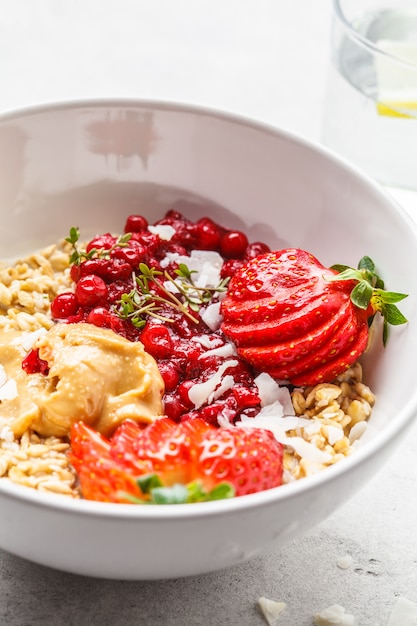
(361, 294)
(347, 274)
(222, 491)
(366, 263)
(389, 297)
(392, 315)
(147, 482)
(177, 494)
(151, 485)
(370, 290)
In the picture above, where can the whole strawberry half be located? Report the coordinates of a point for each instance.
(302, 322)
(171, 463)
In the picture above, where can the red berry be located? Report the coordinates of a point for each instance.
(157, 341)
(169, 374)
(233, 244)
(132, 254)
(99, 316)
(182, 392)
(135, 223)
(207, 234)
(230, 267)
(101, 242)
(98, 267)
(256, 249)
(173, 407)
(64, 305)
(91, 290)
(32, 364)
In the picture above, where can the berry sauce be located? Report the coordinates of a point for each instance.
(110, 279)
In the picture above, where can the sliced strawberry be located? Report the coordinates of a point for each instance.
(100, 477)
(290, 358)
(318, 316)
(329, 370)
(299, 321)
(165, 454)
(249, 459)
(167, 448)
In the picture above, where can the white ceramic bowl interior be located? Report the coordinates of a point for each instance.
(90, 164)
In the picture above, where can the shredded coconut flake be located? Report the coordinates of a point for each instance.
(27, 340)
(404, 613)
(357, 431)
(8, 391)
(270, 392)
(3, 375)
(226, 350)
(208, 341)
(201, 392)
(211, 316)
(334, 434)
(164, 231)
(344, 562)
(271, 610)
(335, 615)
(226, 384)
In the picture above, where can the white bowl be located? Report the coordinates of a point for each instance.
(91, 164)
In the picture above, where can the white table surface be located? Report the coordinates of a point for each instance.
(266, 59)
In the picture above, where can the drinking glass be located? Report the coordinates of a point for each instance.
(371, 97)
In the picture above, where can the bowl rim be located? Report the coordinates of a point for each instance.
(394, 429)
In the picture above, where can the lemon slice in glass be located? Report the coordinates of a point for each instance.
(397, 80)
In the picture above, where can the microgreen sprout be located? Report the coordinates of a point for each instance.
(78, 255)
(143, 300)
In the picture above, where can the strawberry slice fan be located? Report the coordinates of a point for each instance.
(301, 322)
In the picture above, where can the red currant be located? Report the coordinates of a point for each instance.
(132, 254)
(101, 242)
(256, 249)
(169, 374)
(98, 267)
(99, 316)
(173, 407)
(182, 392)
(157, 341)
(91, 290)
(64, 305)
(233, 244)
(207, 234)
(230, 268)
(135, 223)
(32, 364)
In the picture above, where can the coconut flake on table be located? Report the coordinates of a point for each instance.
(404, 613)
(344, 562)
(335, 615)
(200, 393)
(164, 231)
(271, 610)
